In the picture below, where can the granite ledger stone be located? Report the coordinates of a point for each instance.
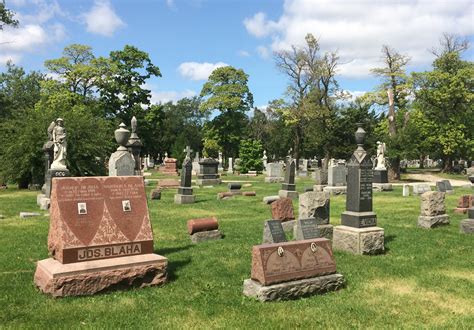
(99, 229)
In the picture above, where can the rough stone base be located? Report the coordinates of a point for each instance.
(184, 199)
(467, 226)
(382, 186)
(274, 179)
(207, 182)
(86, 278)
(368, 240)
(425, 221)
(288, 193)
(294, 289)
(342, 190)
(43, 201)
(205, 236)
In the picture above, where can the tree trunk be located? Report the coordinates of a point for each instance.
(447, 166)
(422, 161)
(394, 169)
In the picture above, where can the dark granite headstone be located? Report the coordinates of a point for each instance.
(447, 184)
(380, 176)
(441, 186)
(186, 173)
(275, 229)
(359, 188)
(289, 183)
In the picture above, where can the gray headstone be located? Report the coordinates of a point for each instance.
(307, 229)
(337, 175)
(273, 232)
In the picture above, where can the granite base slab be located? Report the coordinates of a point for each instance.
(369, 240)
(184, 199)
(208, 182)
(382, 186)
(425, 221)
(467, 226)
(337, 190)
(86, 278)
(203, 236)
(293, 289)
(288, 193)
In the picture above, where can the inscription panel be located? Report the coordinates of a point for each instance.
(276, 231)
(309, 228)
(280, 262)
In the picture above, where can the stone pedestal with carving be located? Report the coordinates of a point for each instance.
(121, 162)
(433, 210)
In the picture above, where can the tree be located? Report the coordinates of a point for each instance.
(250, 153)
(393, 92)
(227, 92)
(6, 16)
(122, 85)
(445, 96)
(311, 89)
(78, 67)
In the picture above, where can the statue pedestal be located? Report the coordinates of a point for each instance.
(53, 173)
(380, 176)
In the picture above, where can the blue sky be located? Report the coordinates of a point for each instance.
(186, 39)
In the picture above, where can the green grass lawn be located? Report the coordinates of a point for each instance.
(425, 278)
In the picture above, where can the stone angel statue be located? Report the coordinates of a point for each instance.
(57, 134)
(380, 156)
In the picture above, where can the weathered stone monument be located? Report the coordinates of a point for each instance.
(169, 167)
(55, 152)
(208, 174)
(121, 162)
(220, 168)
(134, 146)
(406, 190)
(444, 186)
(203, 229)
(185, 192)
(264, 160)
(196, 165)
(467, 226)
(465, 202)
(316, 206)
(230, 168)
(380, 181)
(288, 188)
(433, 210)
(358, 232)
(273, 232)
(290, 270)
(336, 178)
(282, 210)
(274, 172)
(100, 238)
(320, 175)
(420, 188)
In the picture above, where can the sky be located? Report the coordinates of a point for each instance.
(187, 39)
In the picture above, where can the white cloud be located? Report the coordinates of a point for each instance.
(358, 29)
(35, 31)
(28, 38)
(102, 19)
(244, 53)
(264, 52)
(198, 71)
(173, 96)
(170, 3)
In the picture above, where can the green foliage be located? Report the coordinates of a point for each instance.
(227, 91)
(6, 16)
(445, 97)
(211, 148)
(121, 88)
(250, 154)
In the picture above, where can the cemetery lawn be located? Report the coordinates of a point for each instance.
(424, 279)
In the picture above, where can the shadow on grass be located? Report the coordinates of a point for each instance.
(167, 251)
(387, 240)
(173, 266)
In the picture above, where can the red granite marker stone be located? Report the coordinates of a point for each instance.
(202, 224)
(288, 261)
(464, 203)
(282, 209)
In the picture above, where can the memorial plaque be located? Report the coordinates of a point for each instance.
(276, 231)
(98, 217)
(281, 262)
(307, 229)
(359, 185)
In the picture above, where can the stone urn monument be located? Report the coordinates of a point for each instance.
(121, 162)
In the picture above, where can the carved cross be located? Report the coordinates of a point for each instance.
(188, 151)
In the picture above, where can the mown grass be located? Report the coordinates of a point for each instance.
(425, 278)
